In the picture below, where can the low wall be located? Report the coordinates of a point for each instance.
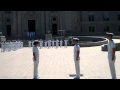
(105, 47)
(96, 41)
(90, 44)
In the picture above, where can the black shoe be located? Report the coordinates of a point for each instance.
(76, 78)
(36, 78)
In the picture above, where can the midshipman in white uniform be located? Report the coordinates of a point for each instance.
(2, 46)
(36, 59)
(65, 42)
(29, 43)
(49, 43)
(41, 43)
(46, 43)
(61, 43)
(32, 43)
(111, 55)
(76, 57)
(53, 43)
(57, 43)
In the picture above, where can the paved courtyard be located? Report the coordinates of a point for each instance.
(57, 64)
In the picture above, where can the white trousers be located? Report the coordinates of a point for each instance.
(77, 68)
(112, 68)
(45, 44)
(60, 45)
(29, 44)
(1, 48)
(35, 74)
(53, 45)
(65, 45)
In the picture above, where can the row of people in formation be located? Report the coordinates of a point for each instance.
(30, 34)
(50, 43)
(11, 45)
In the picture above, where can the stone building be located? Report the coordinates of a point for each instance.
(17, 23)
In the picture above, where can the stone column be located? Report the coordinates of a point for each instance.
(19, 22)
(0, 21)
(42, 22)
(47, 21)
(44, 15)
(14, 24)
(61, 27)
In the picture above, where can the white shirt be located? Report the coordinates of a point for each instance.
(36, 51)
(111, 45)
(45, 43)
(53, 42)
(61, 42)
(32, 43)
(66, 41)
(29, 43)
(41, 43)
(49, 43)
(76, 48)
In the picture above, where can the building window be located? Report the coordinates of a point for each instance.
(7, 12)
(91, 29)
(119, 28)
(8, 20)
(106, 16)
(106, 29)
(91, 16)
(119, 15)
(54, 19)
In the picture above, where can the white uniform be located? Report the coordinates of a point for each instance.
(57, 43)
(53, 43)
(29, 43)
(45, 43)
(32, 43)
(61, 43)
(36, 63)
(111, 45)
(77, 62)
(65, 42)
(2, 43)
(7, 46)
(10, 47)
(41, 43)
(49, 43)
(4, 46)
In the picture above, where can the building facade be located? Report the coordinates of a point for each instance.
(17, 23)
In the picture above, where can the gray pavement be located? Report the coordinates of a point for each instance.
(57, 64)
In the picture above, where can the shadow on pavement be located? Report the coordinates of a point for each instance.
(73, 75)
